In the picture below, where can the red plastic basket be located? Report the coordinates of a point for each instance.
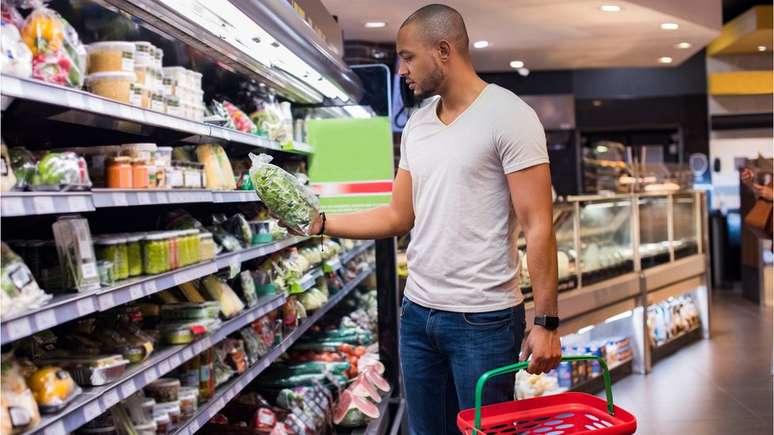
(559, 414)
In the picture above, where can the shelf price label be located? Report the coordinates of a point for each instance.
(43, 204)
(85, 306)
(92, 411)
(19, 328)
(45, 319)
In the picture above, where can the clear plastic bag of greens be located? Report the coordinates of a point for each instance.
(293, 204)
(20, 290)
(61, 171)
(76, 253)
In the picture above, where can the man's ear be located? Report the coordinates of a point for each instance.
(444, 50)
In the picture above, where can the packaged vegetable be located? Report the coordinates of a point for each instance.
(238, 226)
(58, 55)
(247, 287)
(76, 253)
(18, 409)
(221, 292)
(239, 119)
(225, 239)
(16, 57)
(20, 290)
(23, 164)
(354, 411)
(53, 388)
(293, 204)
(61, 171)
(217, 167)
(312, 299)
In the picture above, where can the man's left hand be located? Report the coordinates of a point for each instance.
(545, 348)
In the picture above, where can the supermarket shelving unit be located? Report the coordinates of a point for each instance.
(97, 120)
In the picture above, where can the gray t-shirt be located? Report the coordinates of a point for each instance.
(463, 255)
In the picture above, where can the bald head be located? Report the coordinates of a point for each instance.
(436, 22)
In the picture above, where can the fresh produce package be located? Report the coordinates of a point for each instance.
(239, 119)
(61, 171)
(59, 57)
(76, 253)
(16, 57)
(18, 409)
(23, 163)
(20, 290)
(217, 167)
(292, 203)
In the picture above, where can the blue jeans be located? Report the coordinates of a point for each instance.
(442, 355)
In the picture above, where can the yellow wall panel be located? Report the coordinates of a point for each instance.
(741, 83)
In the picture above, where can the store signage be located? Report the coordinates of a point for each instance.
(352, 167)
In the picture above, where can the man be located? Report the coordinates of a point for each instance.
(472, 161)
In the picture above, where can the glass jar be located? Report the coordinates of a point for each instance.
(174, 175)
(188, 401)
(134, 253)
(114, 249)
(155, 254)
(172, 250)
(207, 248)
(118, 173)
(140, 177)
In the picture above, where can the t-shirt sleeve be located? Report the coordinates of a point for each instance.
(403, 163)
(520, 140)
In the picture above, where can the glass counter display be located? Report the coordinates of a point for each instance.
(605, 239)
(564, 216)
(686, 215)
(654, 225)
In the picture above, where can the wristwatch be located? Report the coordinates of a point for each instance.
(548, 322)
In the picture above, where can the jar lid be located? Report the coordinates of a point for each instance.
(154, 236)
(164, 383)
(205, 235)
(110, 45)
(143, 44)
(188, 392)
(188, 232)
(109, 239)
(139, 146)
(107, 75)
(134, 237)
(120, 159)
(139, 161)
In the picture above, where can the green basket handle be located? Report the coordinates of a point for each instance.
(523, 365)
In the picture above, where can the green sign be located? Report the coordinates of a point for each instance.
(352, 167)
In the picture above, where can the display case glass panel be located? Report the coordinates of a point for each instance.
(566, 254)
(605, 239)
(685, 231)
(654, 230)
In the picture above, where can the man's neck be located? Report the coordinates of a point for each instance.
(461, 89)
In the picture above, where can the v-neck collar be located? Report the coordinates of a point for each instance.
(467, 109)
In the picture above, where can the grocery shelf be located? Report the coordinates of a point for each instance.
(63, 308)
(359, 249)
(595, 384)
(100, 110)
(231, 388)
(234, 196)
(95, 401)
(675, 343)
(135, 197)
(36, 203)
(676, 271)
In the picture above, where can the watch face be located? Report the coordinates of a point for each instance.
(548, 322)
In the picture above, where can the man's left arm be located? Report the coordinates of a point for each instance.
(532, 201)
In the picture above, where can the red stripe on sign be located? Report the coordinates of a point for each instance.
(373, 187)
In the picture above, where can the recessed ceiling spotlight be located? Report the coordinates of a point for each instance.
(665, 59)
(517, 64)
(481, 44)
(762, 48)
(524, 72)
(610, 8)
(683, 45)
(375, 24)
(670, 26)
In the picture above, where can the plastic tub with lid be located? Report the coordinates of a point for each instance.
(163, 156)
(114, 85)
(143, 151)
(143, 53)
(178, 73)
(111, 56)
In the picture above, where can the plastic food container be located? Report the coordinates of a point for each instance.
(134, 253)
(174, 175)
(261, 232)
(185, 332)
(193, 175)
(173, 106)
(146, 429)
(163, 390)
(189, 401)
(147, 408)
(162, 422)
(113, 85)
(155, 254)
(118, 173)
(138, 97)
(142, 151)
(114, 250)
(142, 53)
(157, 101)
(105, 269)
(190, 311)
(172, 409)
(173, 256)
(168, 84)
(178, 73)
(111, 56)
(195, 79)
(163, 156)
(158, 57)
(207, 248)
(93, 371)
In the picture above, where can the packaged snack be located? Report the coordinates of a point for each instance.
(91, 371)
(163, 389)
(76, 253)
(295, 205)
(18, 409)
(217, 168)
(111, 56)
(53, 388)
(61, 171)
(23, 164)
(16, 57)
(58, 55)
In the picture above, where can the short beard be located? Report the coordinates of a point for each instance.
(432, 85)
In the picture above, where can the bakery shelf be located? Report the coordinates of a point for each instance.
(95, 401)
(99, 111)
(36, 203)
(63, 308)
(231, 388)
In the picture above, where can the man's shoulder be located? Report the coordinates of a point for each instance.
(501, 96)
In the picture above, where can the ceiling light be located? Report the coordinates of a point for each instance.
(375, 24)
(670, 26)
(517, 64)
(665, 59)
(761, 48)
(524, 72)
(610, 8)
(683, 45)
(597, 103)
(481, 44)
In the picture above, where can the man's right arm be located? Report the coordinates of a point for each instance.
(394, 219)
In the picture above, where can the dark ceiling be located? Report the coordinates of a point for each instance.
(734, 8)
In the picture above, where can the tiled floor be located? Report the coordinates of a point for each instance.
(717, 386)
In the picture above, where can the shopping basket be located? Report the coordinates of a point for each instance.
(558, 414)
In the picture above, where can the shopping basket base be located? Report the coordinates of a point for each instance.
(560, 414)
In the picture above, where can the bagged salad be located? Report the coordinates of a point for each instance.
(292, 203)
